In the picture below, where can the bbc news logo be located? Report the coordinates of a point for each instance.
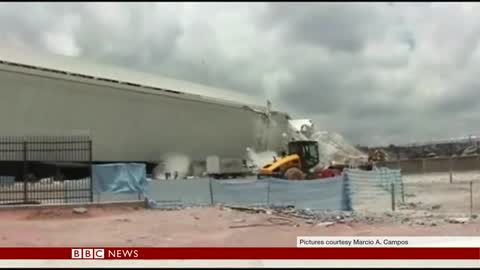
(83, 253)
(100, 253)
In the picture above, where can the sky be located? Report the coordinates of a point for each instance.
(377, 73)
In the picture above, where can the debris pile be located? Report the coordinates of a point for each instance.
(315, 218)
(331, 218)
(80, 210)
(332, 146)
(411, 214)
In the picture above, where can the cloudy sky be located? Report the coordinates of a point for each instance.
(375, 72)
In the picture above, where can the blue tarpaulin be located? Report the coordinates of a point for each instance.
(119, 178)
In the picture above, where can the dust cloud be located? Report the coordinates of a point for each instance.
(173, 162)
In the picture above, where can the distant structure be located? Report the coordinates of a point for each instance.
(458, 146)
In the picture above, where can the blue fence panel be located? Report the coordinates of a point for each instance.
(356, 189)
(240, 192)
(324, 194)
(185, 192)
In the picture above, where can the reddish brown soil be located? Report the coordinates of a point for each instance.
(196, 227)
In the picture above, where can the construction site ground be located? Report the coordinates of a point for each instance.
(433, 207)
(198, 227)
(428, 194)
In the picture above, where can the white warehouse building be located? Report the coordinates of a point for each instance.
(130, 116)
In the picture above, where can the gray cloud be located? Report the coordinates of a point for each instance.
(335, 25)
(463, 99)
(375, 72)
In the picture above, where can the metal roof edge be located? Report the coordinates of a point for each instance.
(74, 67)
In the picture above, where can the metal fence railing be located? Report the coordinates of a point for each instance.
(438, 196)
(377, 190)
(445, 165)
(45, 169)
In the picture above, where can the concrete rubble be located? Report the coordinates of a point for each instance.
(412, 214)
(123, 220)
(457, 220)
(331, 218)
(80, 210)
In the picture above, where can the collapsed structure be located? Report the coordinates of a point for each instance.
(333, 148)
(138, 117)
(463, 146)
(312, 155)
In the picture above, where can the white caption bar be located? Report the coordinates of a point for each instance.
(385, 241)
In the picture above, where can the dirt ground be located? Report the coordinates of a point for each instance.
(194, 227)
(427, 192)
(435, 191)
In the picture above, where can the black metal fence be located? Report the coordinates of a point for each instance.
(45, 170)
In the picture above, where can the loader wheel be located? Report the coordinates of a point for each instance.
(294, 174)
